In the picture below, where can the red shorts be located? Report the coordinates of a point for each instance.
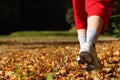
(85, 8)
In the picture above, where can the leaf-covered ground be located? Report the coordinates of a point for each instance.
(56, 61)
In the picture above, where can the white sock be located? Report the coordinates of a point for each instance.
(82, 39)
(92, 36)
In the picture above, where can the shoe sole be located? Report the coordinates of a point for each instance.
(87, 58)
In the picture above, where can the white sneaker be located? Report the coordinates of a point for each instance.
(89, 57)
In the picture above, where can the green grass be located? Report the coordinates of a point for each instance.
(42, 35)
(70, 35)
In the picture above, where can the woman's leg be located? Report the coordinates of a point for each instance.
(94, 26)
(90, 15)
(96, 10)
(99, 12)
(80, 16)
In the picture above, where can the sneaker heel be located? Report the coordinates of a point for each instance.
(81, 61)
(88, 68)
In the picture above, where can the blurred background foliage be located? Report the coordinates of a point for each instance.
(42, 15)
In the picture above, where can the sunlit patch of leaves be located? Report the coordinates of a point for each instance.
(57, 62)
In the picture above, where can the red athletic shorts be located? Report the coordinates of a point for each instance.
(85, 8)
